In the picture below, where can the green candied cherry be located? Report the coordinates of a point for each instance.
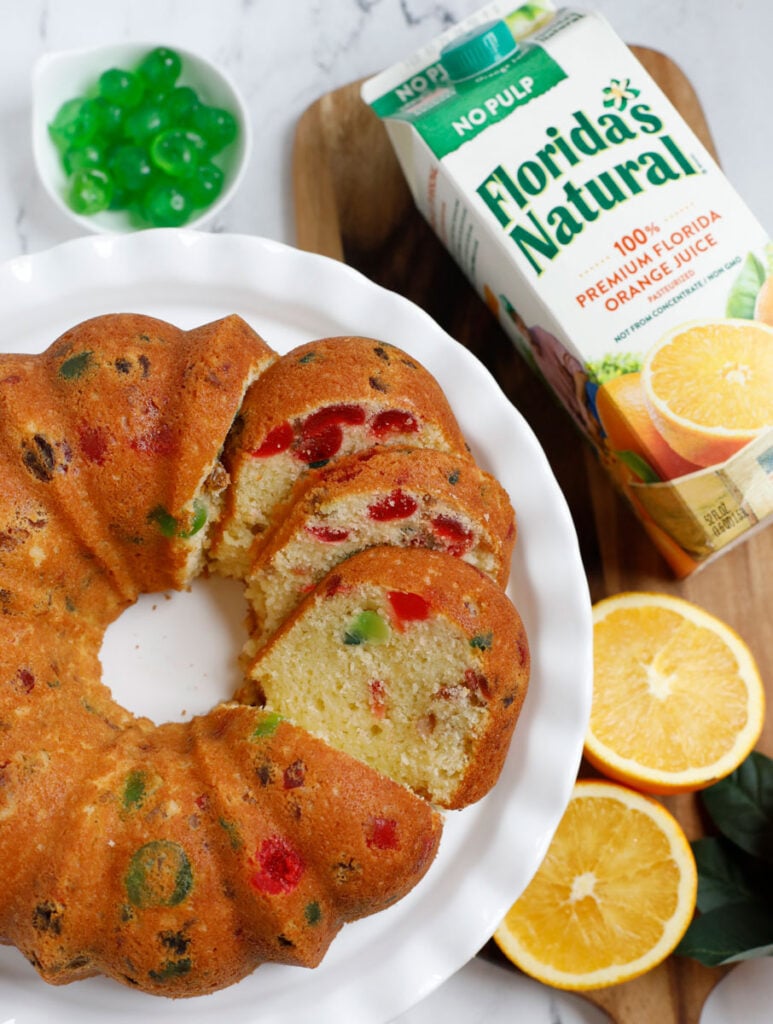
(160, 69)
(159, 875)
(91, 190)
(75, 123)
(198, 522)
(216, 125)
(367, 627)
(121, 199)
(77, 157)
(164, 520)
(205, 185)
(111, 117)
(174, 153)
(131, 168)
(266, 726)
(123, 88)
(146, 121)
(166, 205)
(180, 104)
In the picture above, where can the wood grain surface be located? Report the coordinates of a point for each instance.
(352, 203)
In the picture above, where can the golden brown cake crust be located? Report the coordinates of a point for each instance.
(175, 858)
(225, 842)
(345, 369)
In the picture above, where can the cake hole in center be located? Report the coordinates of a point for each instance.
(173, 655)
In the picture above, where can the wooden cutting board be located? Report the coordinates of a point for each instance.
(352, 203)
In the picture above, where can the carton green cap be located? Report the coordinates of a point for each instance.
(478, 50)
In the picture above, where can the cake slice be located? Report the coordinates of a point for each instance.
(321, 401)
(405, 497)
(410, 660)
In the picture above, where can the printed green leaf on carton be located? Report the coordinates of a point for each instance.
(613, 364)
(743, 294)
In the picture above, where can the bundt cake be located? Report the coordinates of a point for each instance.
(383, 496)
(413, 661)
(322, 400)
(176, 858)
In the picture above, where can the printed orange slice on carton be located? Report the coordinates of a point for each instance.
(709, 387)
(629, 426)
(763, 306)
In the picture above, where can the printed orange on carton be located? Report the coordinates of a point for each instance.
(617, 256)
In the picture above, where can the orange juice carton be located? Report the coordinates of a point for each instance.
(617, 256)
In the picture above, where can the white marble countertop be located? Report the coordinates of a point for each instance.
(286, 55)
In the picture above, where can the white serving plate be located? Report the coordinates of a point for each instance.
(379, 967)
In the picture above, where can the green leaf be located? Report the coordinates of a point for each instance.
(727, 934)
(721, 875)
(741, 806)
(743, 293)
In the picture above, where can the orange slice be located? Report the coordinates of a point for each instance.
(708, 387)
(612, 898)
(677, 697)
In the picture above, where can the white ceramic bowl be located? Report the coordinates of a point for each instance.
(58, 77)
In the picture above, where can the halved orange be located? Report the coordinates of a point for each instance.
(677, 697)
(708, 387)
(612, 898)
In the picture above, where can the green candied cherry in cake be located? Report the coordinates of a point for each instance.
(198, 522)
(367, 627)
(159, 875)
(169, 525)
